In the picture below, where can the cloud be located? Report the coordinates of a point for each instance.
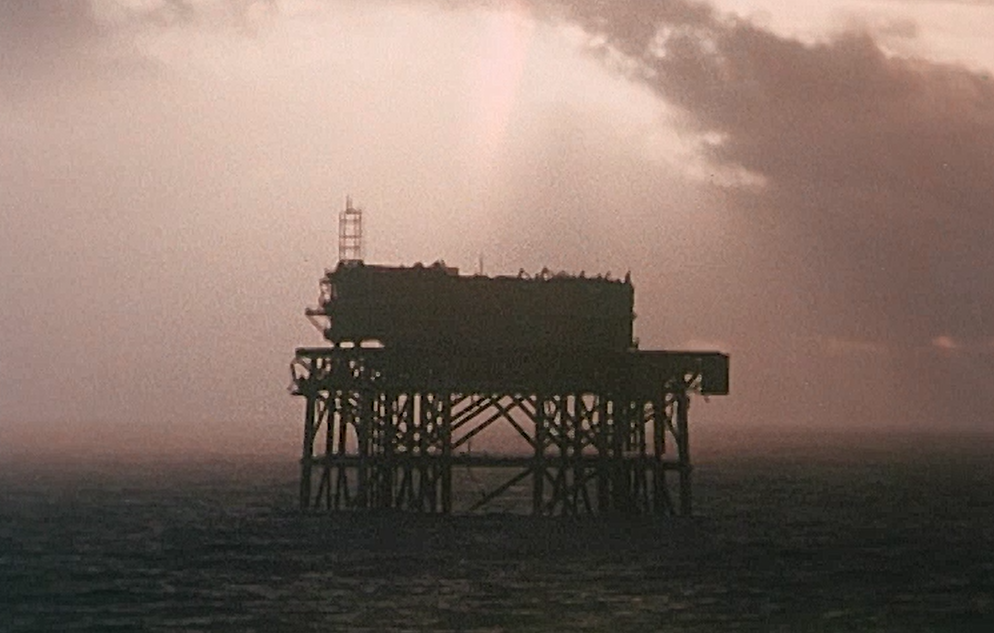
(37, 36)
(50, 49)
(878, 169)
(246, 17)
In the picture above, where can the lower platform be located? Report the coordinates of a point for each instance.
(385, 430)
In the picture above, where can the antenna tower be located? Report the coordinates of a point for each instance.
(350, 233)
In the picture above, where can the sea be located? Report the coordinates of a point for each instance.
(812, 537)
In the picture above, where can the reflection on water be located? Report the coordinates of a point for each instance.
(902, 545)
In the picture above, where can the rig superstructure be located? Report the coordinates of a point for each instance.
(422, 360)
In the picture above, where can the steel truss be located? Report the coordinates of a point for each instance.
(383, 431)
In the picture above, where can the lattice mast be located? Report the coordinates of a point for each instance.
(350, 234)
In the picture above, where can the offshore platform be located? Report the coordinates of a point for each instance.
(423, 359)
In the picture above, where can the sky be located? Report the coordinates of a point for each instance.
(806, 186)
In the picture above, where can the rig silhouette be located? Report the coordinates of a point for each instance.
(422, 359)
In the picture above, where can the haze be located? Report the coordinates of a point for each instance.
(807, 187)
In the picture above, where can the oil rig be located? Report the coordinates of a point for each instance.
(422, 359)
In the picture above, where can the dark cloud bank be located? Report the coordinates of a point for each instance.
(878, 170)
(875, 220)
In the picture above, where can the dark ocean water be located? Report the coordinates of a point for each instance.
(811, 541)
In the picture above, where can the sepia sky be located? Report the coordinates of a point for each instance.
(808, 186)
